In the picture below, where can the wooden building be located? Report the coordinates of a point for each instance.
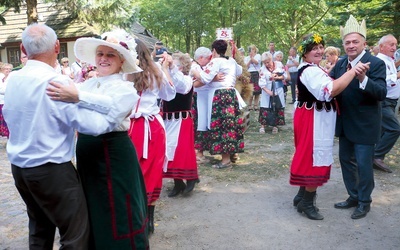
(67, 28)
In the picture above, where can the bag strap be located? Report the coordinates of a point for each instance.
(271, 98)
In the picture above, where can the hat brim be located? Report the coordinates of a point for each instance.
(85, 50)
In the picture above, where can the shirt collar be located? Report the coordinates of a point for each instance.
(357, 59)
(389, 58)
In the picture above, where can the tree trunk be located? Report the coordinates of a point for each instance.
(31, 12)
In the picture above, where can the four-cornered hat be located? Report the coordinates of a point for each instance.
(120, 40)
(352, 26)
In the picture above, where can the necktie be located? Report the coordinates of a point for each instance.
(348, 66)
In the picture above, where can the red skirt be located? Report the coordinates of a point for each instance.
(152, 167)
(302, 171)
(184, 165)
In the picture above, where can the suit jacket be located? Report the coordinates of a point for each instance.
(360, 113)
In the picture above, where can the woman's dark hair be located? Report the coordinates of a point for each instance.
(220, 47)
(309, 43)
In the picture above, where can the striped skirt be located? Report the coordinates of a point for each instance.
(114, 187)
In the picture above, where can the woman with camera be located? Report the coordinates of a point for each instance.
(253, 63)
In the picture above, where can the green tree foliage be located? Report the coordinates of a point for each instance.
(16, 4)
(103, 13)
(382, 16)
(188, 24)
(193, 23)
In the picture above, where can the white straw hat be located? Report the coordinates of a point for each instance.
(120, 40)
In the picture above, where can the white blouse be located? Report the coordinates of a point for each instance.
(265, 81)
(252, 66)
(109, 95)
(320, 89)
(228, 67)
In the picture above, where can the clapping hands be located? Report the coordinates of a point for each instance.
(361, 69)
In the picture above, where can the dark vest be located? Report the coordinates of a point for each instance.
(305, 97)
(180, 103)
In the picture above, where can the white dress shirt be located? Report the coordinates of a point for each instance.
(42, 130)
(392, 83)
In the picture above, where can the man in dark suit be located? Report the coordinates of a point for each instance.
(359, 118)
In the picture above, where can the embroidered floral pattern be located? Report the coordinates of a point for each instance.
(201, 138)
(226, 127)
(3, 125)
(264, 119)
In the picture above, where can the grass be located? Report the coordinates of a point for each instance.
(266, 155)
(269, 156)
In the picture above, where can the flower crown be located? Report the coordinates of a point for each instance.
(315, 38)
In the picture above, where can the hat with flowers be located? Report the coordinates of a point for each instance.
(120, 40)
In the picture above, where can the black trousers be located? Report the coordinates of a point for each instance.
(293, 84)
(54, 197)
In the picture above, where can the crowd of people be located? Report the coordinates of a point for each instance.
(138, 117)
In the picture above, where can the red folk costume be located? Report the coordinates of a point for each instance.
(314, 126)
(180, 133)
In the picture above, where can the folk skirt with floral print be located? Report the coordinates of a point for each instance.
(254, 77)
(3, 125)
(226, 126)
(201, 138)
(278, 117)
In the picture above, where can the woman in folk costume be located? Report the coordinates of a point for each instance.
(314, 124)
(243, 82)
(271, 76)
(202, 57)
(107, 164)
(224, 103)
(147, 129)
(178, 121)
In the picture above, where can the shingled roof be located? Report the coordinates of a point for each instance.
(144, 35)
(65, 25)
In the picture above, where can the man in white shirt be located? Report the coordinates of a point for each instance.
(41, 145)
(292, 64)
(390, 124)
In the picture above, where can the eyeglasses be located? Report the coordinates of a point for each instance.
(66, 62)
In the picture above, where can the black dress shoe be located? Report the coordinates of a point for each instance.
(380, 165)
(361, 211)
(346, 204)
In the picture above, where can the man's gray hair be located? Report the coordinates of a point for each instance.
(202, 52)
(384, 38)
(38, 39)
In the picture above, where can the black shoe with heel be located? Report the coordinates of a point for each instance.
(190, 186)
(306, 205)
(179, 187)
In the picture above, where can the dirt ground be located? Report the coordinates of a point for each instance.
(246, 207)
